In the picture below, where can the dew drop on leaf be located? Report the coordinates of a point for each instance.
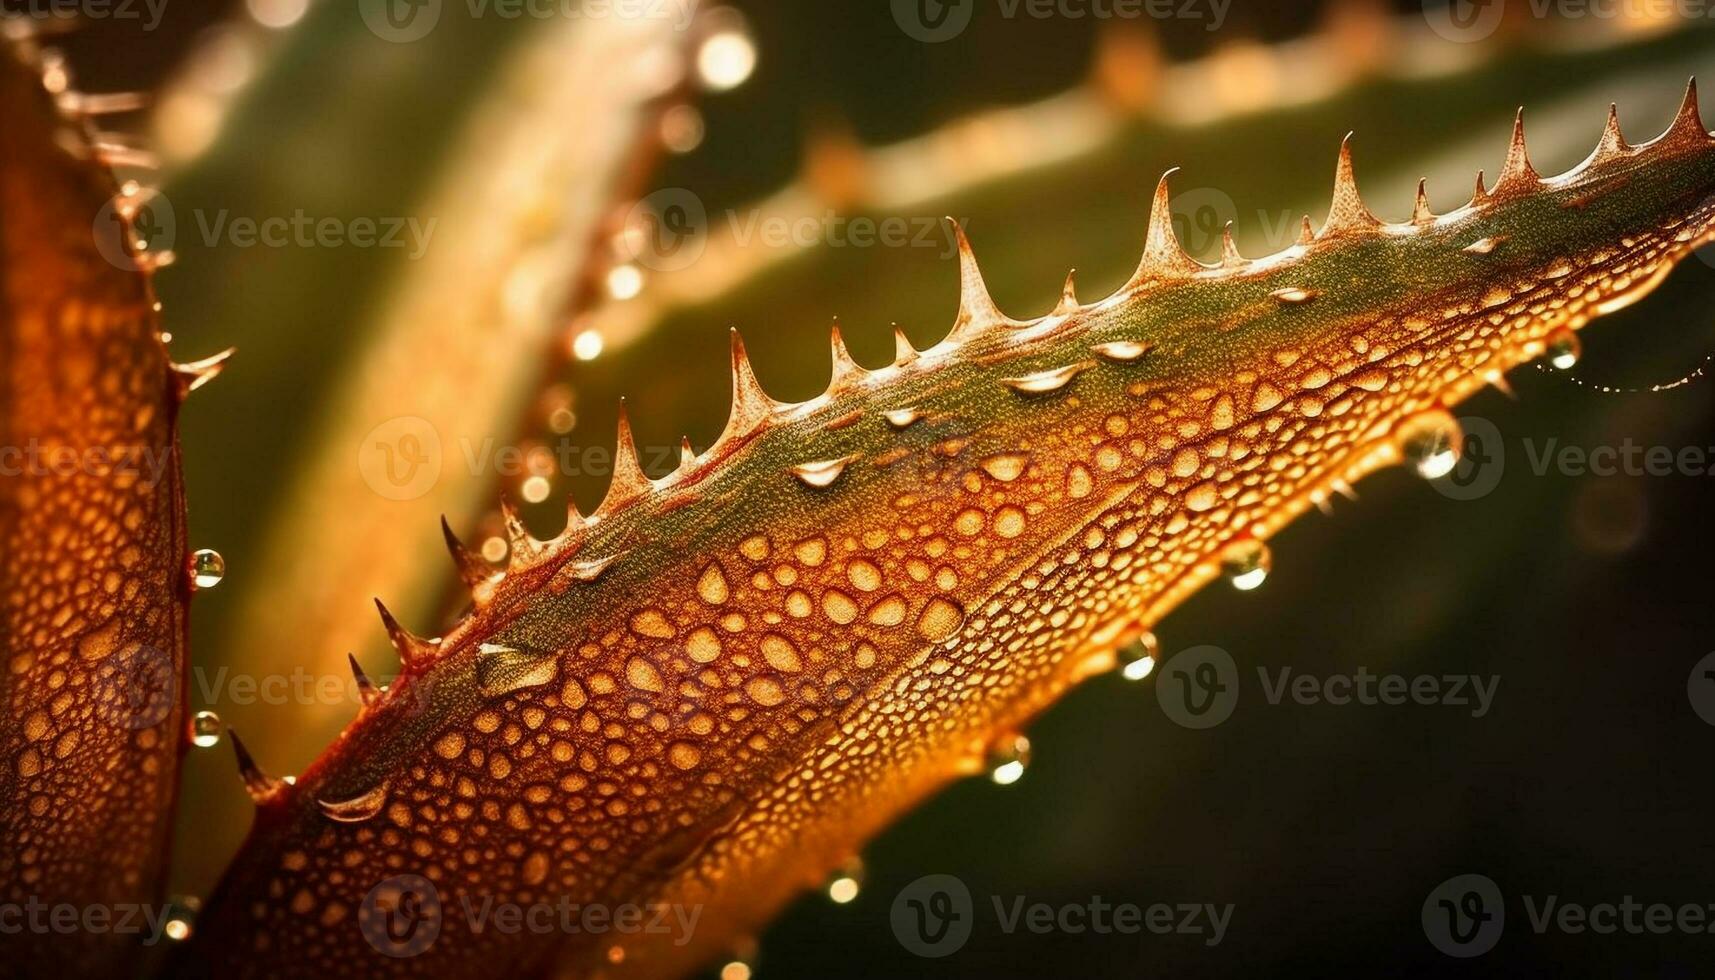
(1246, 563)
(205, 729)
(207, 568)
(1007, 759)
(1430, 442)
(1564, 350)
(502, 670)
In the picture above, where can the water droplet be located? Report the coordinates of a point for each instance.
(1005, 467)
(1137, 660)
(1007, 759)
(502, 670)
(1482, 246)
(902, 418)
(846, 883)
(358, 808)
(780, 653)
(588, 571)
(712, 585)
(1122, 351)
(1078, 481)
(1430, 442)
(821, 473)
(941, 618)
(1294, 294)
(205, 729)
(742, 965)
(1564, 350)
(1044, 382)
(1245, 563)
(181, 918)
(207, 568)
(494, 550)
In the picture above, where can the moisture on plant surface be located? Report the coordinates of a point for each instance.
(926, 488)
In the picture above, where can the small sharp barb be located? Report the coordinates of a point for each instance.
(411, 648)
(261, 786)
(1347, 214)
(1420, 212)
(1687, 126)
(629, 482)
(751, 405)
(192, 375)
(1068, 296)
(846, 370)
(1518, 177)
(1163, 257)
(977, 310)
(367, 692)
(472, 569)
(903, 352)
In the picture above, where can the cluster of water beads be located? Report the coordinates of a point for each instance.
(207, 568)
(205, 729)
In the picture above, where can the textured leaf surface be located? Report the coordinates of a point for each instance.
(92, 553)
(713, 691)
